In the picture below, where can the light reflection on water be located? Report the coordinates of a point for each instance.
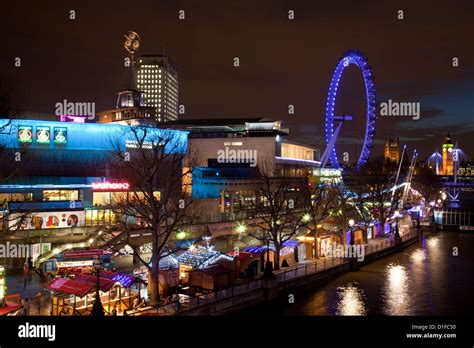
(395, 294)
(422, 279)
(417, 256)
(351, 300)
(433, 242)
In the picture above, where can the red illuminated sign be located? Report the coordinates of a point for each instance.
(83, 253)
(103, 186)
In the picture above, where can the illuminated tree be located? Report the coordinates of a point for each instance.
(278, 208)
(372, 191)
(319, 201)
(159, 202)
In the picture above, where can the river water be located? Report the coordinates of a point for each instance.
(423, 279)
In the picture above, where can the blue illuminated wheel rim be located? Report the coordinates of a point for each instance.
(357, 58)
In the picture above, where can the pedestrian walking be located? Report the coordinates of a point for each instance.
(26, 306)
(25, 273)
(38, 297)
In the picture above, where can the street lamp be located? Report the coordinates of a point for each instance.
(396, 216)
(3, 287)
(241, 228)
(97, 308)
(316, 243)
(181, 234)
(268, 271)
(51, 294)
(306, 217)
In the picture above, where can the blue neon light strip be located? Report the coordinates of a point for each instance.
(44, 186)
(91, 136)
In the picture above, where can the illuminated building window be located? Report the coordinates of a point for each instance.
(15, 197)
(60, 195)
(111, 198)
(107, 198)
(99, 217)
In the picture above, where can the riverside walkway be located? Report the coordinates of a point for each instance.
(254, 291)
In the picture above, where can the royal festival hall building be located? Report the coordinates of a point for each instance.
(62, 172)
(64, 177)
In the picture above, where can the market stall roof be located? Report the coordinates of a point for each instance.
(9, 308)
(263, 248)
(125, 279)
(70, 287)
(214, 270)
(246, 241)
(201, 257)
(84, 253)
(104, 283)
(240, 255)
(290, 244)
(256, 249)
(168, 262)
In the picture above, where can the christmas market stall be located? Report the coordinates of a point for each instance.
(65, 295)
(291, 252)
(317, 243)
(260, 253)
(249, 265)
(76, 296)
(198, 257)
(126, 288)
(9, 304)
(211, 278)
(168, 275)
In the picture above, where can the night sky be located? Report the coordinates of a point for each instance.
(282, 61)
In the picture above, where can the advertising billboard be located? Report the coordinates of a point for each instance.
(46, 220)
(43, 135)
(25, 134)
(60, 135)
